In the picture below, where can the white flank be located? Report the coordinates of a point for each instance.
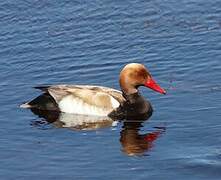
(70, 104)
(114, 103)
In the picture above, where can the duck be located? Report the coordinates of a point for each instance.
(99, 100)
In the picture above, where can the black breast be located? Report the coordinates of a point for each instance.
(135, 107)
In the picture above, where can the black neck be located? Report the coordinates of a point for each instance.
(132, 97)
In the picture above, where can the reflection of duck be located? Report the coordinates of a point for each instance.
(98, 100)
(134, 143)
(72, 121)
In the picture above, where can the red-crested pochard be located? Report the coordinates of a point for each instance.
(99, 100)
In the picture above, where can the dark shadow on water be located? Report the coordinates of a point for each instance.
(133, 143)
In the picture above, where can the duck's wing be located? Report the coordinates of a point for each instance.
(82, 98)
(110, 91)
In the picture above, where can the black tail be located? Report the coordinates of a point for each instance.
(42, 88)
(43, 102)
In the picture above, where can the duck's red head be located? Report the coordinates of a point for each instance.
(134, 75)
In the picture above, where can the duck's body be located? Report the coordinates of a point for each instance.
(78, 99)
(89, 100)
(99, 100)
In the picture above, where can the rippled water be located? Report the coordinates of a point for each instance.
(52, 42)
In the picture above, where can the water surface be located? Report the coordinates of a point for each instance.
(76, 42)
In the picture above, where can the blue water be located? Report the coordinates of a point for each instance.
(88, 42)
